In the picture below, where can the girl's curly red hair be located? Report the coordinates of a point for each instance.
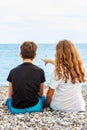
(68, 62)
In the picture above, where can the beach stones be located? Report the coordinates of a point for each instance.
(45, 120)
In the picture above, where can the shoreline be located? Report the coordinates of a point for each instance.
(45, 120)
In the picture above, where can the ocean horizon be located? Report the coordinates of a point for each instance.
(10, 58)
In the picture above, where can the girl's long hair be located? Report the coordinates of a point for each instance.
(68, 62)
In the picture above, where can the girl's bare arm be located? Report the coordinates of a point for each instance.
(46, 61)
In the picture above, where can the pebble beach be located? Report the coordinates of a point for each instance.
(45, 120)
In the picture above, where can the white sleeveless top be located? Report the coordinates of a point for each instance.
(67, 96)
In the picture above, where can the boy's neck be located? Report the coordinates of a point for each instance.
(27, 60)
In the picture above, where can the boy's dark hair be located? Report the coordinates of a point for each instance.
(28, 49)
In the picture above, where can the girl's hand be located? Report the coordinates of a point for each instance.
(46, 61)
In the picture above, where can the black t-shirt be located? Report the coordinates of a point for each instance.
(26, 79)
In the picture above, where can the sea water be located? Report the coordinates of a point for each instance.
(10, 58)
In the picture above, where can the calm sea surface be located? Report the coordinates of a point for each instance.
(9, 58)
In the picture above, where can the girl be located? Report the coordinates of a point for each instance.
(64, 93)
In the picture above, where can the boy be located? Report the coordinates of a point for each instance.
(26, 83)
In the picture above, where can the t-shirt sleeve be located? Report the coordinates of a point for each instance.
(54, 83)
(43, 77)
(9, 77)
